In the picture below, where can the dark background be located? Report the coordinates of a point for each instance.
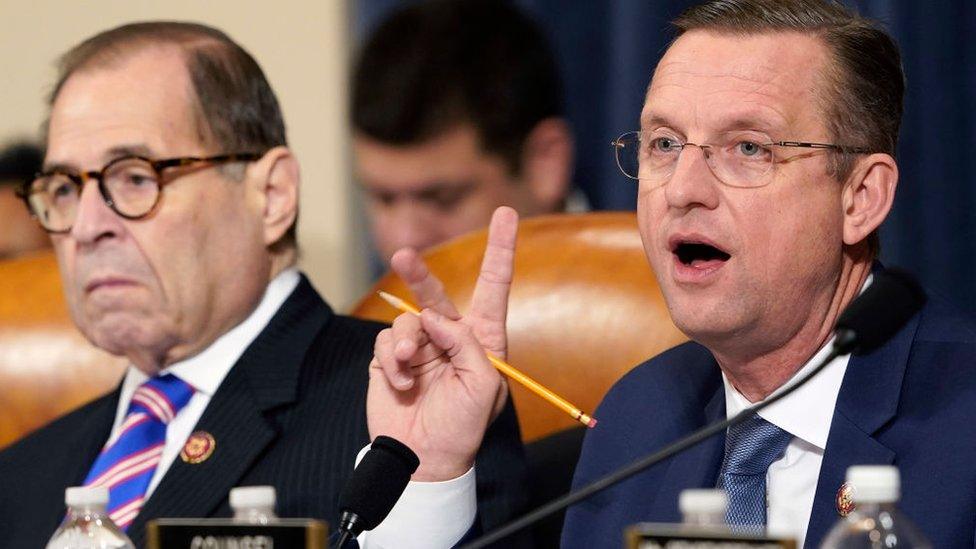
(608, 49)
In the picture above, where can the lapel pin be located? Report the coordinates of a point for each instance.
(198, 448)
(845, 499)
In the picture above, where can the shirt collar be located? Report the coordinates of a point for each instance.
(808, 411)
(206, 370)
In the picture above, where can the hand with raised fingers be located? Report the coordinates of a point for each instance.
(431, 385)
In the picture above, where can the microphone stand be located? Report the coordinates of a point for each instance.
(845, 341)
(344, 536)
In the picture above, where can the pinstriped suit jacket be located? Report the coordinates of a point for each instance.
(291, 413)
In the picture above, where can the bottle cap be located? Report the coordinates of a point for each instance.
(250, 497)
(874, 483)
(703, 501)
(86, 496)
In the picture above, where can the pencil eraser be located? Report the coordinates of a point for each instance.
(592, 423)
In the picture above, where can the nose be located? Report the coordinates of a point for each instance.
(94, 219)
(693, 183)
(405, 225)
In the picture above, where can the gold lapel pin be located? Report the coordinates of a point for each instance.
(198, 448)
(845, 499)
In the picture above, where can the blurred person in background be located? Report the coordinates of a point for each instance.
(456, 110)
(19, 233)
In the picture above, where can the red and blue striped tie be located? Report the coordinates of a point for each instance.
(129, 459)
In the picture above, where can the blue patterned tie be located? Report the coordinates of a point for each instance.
(750, 448)
(129, 459)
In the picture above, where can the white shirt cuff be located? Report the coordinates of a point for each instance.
(427, 515)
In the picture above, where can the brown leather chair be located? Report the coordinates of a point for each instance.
(46, 366)
(584, 308)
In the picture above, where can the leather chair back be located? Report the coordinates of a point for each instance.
(46, 366)
(584, 308)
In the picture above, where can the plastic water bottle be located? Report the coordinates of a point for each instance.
(703, 512)
(703, 508)
(88, 525)
(875, 522)
(253, 504)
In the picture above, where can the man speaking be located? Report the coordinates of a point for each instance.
(765, 165)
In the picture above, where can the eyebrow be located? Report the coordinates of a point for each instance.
(138, 149)
(433, 192)
(431, 187)
(57, 167)
(654, 120)
(749, 123)
(119, 151)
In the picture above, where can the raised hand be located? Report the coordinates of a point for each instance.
(431, 385)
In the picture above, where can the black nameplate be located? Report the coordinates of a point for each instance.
(227, 534)
(673, 536)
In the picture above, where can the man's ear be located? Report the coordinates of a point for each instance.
(868, 196)
(276, 176)
(547, 163)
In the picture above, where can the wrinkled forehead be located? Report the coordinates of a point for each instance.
(716, 81)
(144, 100)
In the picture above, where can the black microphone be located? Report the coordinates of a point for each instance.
(375, 487)
(871, 319)
(885, 306)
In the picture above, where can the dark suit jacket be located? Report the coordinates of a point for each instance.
(910, 403)
(291, 413)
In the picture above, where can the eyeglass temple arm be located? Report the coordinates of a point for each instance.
(803, 144)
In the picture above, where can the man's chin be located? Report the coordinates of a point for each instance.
(119, 335)
(704, 322)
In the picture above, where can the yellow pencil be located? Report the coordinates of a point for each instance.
(508, 370)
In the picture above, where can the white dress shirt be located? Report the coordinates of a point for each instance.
(408, 525)
(791, 481)
(427, 515)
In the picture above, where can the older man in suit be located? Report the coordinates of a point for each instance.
(765, 164)
(171, 198)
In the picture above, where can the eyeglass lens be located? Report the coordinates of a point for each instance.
(130, 186)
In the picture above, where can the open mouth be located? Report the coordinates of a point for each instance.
(698, 254)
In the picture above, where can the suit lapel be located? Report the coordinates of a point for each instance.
(85, 436)
(91, 438)
(868, 399)
(265, 377)
(697, 467)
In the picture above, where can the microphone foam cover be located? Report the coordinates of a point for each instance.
(378, 481)
(874, 316)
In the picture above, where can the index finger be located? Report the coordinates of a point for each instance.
(490, 299)
(426, 287)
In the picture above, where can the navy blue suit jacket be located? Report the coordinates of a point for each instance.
(910, 403)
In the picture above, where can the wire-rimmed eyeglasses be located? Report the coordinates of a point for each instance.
(737, 159)
(130, 185)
